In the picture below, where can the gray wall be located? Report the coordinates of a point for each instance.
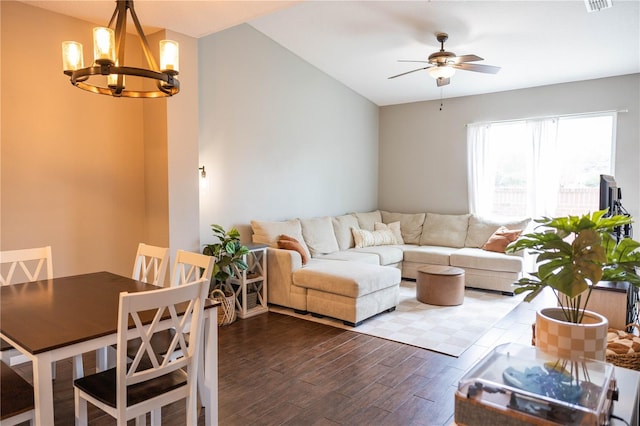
(423, 150)
(279, 138)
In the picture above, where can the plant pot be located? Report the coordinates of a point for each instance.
(555, 336)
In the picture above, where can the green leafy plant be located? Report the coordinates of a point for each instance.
(228, 253)
(574, 253)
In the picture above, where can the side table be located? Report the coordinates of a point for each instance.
(440, 285)
(251, 281)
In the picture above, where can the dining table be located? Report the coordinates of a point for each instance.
(54, 319)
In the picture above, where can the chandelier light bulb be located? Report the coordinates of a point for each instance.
(169, 55)
(72, 57)
(104, 45)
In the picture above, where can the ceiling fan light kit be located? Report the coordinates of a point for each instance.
(108, 54)
(443, 64)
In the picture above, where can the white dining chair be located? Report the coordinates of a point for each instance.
(135, 388)
(151, 264)
(189, 266)
(25, 265)
(31, 262)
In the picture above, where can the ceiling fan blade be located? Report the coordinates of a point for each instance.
(489, 69)
(441, 81)
(408, 60)
(465, 58)
(408, 72)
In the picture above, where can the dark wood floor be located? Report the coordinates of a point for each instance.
(279, 370)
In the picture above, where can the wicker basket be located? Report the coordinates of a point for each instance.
(227, 308)
(621, 338)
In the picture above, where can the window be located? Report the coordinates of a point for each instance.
(535, 167)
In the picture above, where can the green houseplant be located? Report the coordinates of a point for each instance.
(228, 253)
(574, 253)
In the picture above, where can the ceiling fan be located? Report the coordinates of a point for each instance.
(443, 64)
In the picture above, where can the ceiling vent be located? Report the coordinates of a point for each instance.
(597, 5)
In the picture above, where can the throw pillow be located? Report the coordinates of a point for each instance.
(364, 238)
(445, 230)
(289, 243)
(410, 225)
(500, 239)
(393, 227)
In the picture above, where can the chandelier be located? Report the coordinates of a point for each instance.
(106, 75)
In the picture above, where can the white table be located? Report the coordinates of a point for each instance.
(50, 320)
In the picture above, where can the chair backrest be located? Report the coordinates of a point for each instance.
(143, 312)
(190, 266)
(31, 262)
(151, 264)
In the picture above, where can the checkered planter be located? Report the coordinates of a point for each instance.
(557, 337)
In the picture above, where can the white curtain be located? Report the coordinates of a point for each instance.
(543, 180)
(481, 169)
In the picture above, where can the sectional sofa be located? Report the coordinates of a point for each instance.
(350, 266)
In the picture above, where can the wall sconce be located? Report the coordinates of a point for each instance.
(204, 181)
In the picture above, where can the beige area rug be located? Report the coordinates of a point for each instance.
(446, 329)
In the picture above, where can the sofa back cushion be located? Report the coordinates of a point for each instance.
(270, 232)
(342, 226)
(445, 230)
(410, 225)
(319, 236)
(367, 220)
(481, 229)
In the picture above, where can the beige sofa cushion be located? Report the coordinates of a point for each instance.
(367, 220)
(394, 227)
(481, 259)
(268, 232)
(410, 225)
(431, 255)
(446, 230)
(387, 255)
(319, 236)
(342, 226)
(481, 229)
(351, 279)
(353, 256)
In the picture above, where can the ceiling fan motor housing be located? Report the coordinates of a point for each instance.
(441, 58)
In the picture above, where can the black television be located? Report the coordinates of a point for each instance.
(608, 193)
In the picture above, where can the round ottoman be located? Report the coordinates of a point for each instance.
(440, 285)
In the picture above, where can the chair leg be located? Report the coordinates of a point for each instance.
(141, 420)
(81, 409)
(78, 367)
(156, 417)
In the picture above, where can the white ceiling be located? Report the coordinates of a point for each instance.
(359, 42)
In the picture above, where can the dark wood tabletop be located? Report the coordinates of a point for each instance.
(49, 314)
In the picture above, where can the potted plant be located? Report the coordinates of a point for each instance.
(574, 253)
(229, 260)
(228, 253)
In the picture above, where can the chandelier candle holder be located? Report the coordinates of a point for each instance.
(108, 60)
